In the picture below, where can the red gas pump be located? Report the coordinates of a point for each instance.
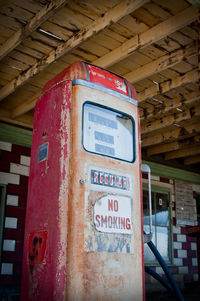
(84, 233)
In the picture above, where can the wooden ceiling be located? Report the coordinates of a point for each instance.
(153, 44)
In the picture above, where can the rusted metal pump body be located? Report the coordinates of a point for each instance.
(83, 237)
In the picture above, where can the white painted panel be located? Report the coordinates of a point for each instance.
(6, 178)
(5, 146)
(12, 200)
(9, 245)
(11, 222)
(25, 160)
(7, 269)
(19, 169)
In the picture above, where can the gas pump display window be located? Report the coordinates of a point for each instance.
(108, 132)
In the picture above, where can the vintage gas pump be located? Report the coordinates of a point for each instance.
(84, 233)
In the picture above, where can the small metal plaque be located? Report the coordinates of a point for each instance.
(43, 152)
(110, 180)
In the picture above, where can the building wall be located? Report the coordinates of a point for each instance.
(184, 265)
(14, 171)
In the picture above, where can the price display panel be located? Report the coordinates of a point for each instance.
(108, 132)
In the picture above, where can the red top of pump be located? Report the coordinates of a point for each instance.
(97, 75)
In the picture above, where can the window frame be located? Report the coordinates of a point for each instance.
(168, 191)
(116, 111)
(2, 215)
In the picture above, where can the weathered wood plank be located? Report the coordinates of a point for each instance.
(57, 30)
(25, 107)
(175, 104)
(14, 11)
(45, 38)
(167, 147)
(155, 89)
(172, 6)
(106, 41)
(5, 32)
(157, 11)
(33, 24)
(192, 160)
(169, 120)
(31, 6)
(113, 15)
(15, 64)
(162, 63)
(166, 136)
(152, 52)
(180, 38)
(167, 44)
(25, 121)
(84, 9)
(189, 77)
(132, 25)
(183, 67)
(9, 22)
(27, 59)
(7, 72)
(149, 37)
(186, 152)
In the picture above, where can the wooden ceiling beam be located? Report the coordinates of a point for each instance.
(162, 63)
(25, 106)
(24, 121)
(111, 16)
(189, 151)
(159, 149)
(170, 105)
(170, 120)
(189, 77)
(192, 160)
(171, 146)
(171, 135)
(46, 12)
(148, 37)
(174, 83)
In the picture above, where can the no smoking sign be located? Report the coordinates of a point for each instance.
(113, 214)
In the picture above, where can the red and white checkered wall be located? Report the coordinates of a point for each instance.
(14, 172)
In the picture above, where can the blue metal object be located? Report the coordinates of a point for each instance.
(160, 279)
(173, 286)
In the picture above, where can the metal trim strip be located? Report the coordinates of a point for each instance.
(104, 89)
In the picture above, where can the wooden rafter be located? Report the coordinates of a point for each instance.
(148, 37)
(46, 12)
(171, 135)
(162, 63)
(169, 120)
(167, 147)
(192, 160)
(25, 120)
(25, 107)
(155, 89)
(170, 105)
(111, 16)
(185, 152)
